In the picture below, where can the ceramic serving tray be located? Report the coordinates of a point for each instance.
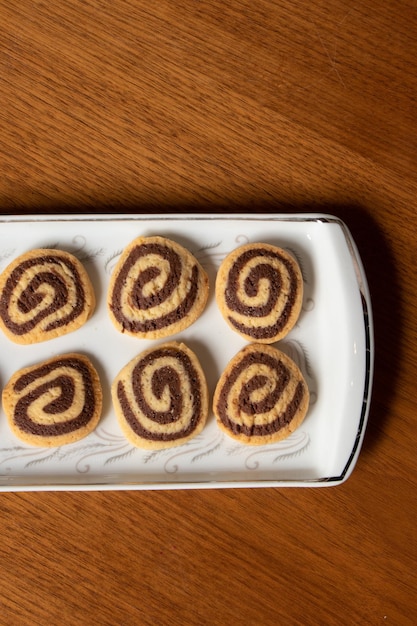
(332, 343)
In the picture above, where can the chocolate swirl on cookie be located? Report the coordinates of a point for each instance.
(261, 397)
(44, 293)
(157, 289)
(259, 289)
(161, 397)
(55, 402)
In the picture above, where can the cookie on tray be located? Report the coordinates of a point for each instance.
(261, 397)
(44, 294)
(161, 397)
(157, 289)
(259, 291)
(55, 402)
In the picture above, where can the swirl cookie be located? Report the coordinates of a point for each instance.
(259, 291)
(157, 289)
(44, 294)
(261, 397)
(161, 397)
(55, 402)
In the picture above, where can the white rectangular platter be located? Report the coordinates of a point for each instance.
(332, 343)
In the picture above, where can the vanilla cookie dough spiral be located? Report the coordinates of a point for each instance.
(157, 289)
(55, 402)
(259, 291)
(44, 293)
(261, 397)
(161, 397)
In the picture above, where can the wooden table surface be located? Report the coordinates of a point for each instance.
(251, 106)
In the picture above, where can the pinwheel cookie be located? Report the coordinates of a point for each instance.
(157, 289)
(259, 291)
(44, 294)
(161, 397)
(261, 396)
(55, 402)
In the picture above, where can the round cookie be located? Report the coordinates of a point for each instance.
(259, 291)
(261, 396)
(44, 294)
(161, 397)
(157, 289)
(55, 402)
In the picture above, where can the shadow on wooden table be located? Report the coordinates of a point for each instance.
(376, 256)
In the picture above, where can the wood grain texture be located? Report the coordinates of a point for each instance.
(249, 106)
